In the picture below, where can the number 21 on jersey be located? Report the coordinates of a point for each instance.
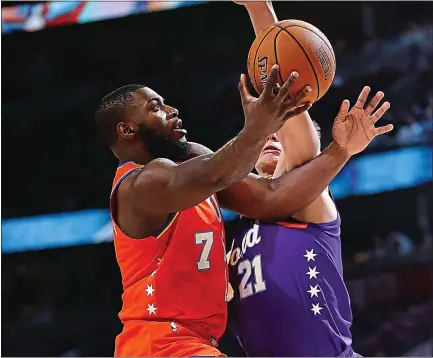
(246, 268)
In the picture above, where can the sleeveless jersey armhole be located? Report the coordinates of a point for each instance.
(157, 234)
(170, 219)
(297, 224)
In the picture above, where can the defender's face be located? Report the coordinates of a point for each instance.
(268, 158)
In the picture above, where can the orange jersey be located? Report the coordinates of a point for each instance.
(180, 273)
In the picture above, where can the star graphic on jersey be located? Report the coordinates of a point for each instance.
(313, 291)
(152, 309)
(153, 273)
(310, 255)
(150, 290)
(173, 326)
(312, 272)
(316, 309)
(159, 261)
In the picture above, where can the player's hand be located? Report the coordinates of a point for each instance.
(354, 130)
(267, 114)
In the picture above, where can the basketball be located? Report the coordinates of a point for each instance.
(294, 45)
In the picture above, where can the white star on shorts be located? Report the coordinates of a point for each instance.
(151, 309)
(310, 255)
(316, 309)
(312, 272)
(313, 291)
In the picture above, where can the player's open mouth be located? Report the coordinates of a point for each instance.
(271, 149)
(178, 127)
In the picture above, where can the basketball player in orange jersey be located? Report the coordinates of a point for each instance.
(167, 226)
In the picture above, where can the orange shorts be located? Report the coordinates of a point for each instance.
(161, 339)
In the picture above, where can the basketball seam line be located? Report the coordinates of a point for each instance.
(320, 37)
(308, 58)
(255, 57)
(276, 56)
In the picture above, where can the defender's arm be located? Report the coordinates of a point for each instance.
(298, 137)
(278, 198)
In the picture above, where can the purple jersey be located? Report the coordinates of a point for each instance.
(289, 295)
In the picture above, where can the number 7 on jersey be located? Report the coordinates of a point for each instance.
(205, 239)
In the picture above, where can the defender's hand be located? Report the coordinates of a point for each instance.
(354, 130)
(266, 115)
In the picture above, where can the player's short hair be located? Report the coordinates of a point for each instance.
(111, 111)
(318, 130)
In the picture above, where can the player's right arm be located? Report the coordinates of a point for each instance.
(300, 142)
(163, 187)
(279, 198)
(298, 135)
(262, 14)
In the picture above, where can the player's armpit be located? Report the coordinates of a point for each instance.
(276, 199)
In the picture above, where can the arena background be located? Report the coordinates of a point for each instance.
(61, 287)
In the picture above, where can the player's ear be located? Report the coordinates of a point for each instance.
(125, 131)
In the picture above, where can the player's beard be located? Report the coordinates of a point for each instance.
(160, 146)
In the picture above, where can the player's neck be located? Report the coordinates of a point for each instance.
(133, 156)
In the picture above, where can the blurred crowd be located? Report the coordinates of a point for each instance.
(401, 66)
(61, 301)
(392, 330)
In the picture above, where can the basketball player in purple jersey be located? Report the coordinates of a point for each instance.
(289, 296)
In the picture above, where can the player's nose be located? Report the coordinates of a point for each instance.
(273, 138)
(172, 112)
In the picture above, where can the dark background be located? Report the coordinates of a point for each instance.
(65, 302)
